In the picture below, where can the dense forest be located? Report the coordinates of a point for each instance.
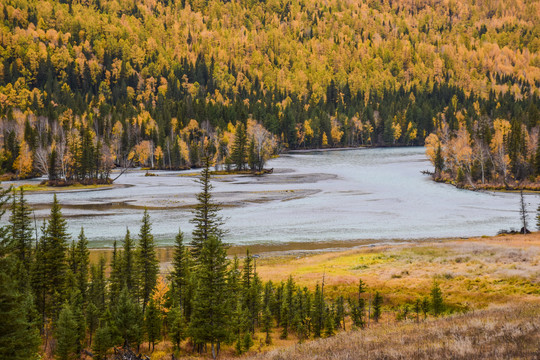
(55, 302)
(86, 86)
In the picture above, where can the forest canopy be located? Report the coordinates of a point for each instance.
(162, 83)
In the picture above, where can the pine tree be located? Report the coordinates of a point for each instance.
(115, 279)
(97, 291)
(103, 342)
(239, 151)
(209, 320)
(128, 264)
(205, 217)
(267, 325)
(21, 230)
(19, 338)
(49, 273)
(147, 262)
(377, 306)
(177, 326)
(92, 319)
(329, 326)
(66, 335)
(82, 256)
(437, 304)
(180, 273)
(127, 319)
(152, 323)
(317, 314)
(425, 307)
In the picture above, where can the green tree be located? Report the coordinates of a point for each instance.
(128, 264)
(177, 326)
(66, 334)
(523, 213)
(152, 323)
(377, 306)
(239, 149)
(115, 279)
(147, 262)
(267, 325)
(103, 342)
(205, 217)
(50, 268)
(437, 303)
(209, 320)
(82, 265)
(97, 290)
(21, 229)
(127, 319)
(180, 272)
(19, 338)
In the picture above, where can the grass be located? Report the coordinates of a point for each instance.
(501, 332)
(472, 273)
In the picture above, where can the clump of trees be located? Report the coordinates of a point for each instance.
(53, 290)
(480, 153)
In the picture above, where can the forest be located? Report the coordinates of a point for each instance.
(56, 303)
(89, 86)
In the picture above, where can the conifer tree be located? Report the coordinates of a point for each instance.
(437, 304)
(180, 273)
(82, 256)
(128, 264)
(377, 306)
(49, 273)
(115, 278)
(92, 319)
(21, 230)
(267, 325)
(66, 334)
(317, 314)
(177, 326)
(147, 262)
(152, 323)
(239, 150)
(205, 217)
(19, 338)
(97, 291)
(127, 319)
(209, 320)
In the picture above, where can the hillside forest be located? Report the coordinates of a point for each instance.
(87, 86)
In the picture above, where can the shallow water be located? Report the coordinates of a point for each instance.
(310, 197)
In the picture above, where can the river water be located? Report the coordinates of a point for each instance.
(346, 195)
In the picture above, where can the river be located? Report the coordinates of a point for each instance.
(320, 196)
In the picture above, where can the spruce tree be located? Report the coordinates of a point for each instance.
(180, 273)
(21, 229)
(317, 314)
(127, 319)
(115, 279)
(97, 291)
(267, 325)
(19, 337)
(147, 262)
(66, 334)
(377, 306)
(152, 323)
(82, 256)
(239, 151)
(437, 304)
(128, 264)
(209, 320)
(177, 326)
(205, 216)
(49, 274)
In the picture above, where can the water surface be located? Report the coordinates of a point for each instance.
(311, 197)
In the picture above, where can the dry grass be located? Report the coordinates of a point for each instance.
(473, 273)
(502, 332)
